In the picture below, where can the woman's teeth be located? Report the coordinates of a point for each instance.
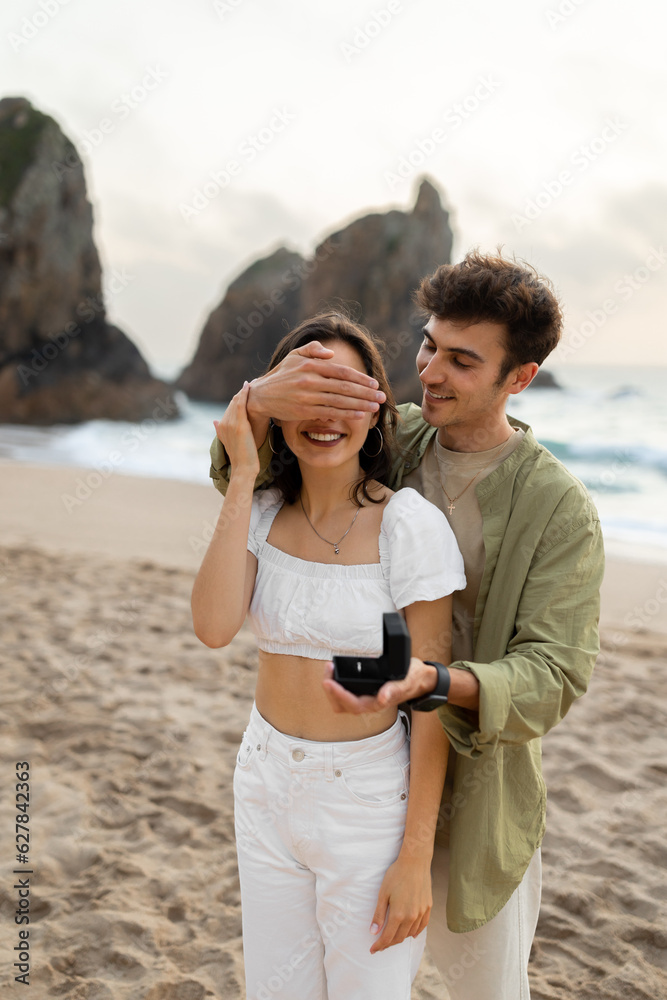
(322, 437)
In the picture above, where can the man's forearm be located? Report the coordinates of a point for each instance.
(463, 689)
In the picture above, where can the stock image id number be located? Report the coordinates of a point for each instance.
(22, 814)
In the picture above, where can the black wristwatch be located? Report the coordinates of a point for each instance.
(438, 696)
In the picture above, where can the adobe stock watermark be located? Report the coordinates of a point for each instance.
(391, 350)
(247, 151)
(625, 288)
(178, 740)
(71, 669)
(230, 512)
(642, 614)
(228, 515)
(87, 310)
(121, 108)
(581, 159)
(109, 808)
(225, 7)
(31, 26)
(638, 619)
(572, 855)
(610, 476)
(283, 974)
(86, 485)
(558, 15)
(453, 118)
(468, 957)
(290, 280)
(370, 29)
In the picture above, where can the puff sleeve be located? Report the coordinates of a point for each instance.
(418, 551)
(265, 506)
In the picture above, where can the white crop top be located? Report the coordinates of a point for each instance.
(317, 609)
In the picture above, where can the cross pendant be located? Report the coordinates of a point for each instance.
(451, 508)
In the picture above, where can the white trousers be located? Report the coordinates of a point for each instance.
(317, 826)
(490, 963)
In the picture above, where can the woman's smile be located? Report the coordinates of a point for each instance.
(324, 438)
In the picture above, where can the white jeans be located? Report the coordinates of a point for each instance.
(317, 826)
(490, 963)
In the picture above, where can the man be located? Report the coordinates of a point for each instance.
(525, 628)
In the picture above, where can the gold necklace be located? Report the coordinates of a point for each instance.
(335, 544)
(451, 508)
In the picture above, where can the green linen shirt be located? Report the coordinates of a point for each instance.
(535, 646)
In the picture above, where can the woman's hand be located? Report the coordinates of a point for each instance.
(235, 432)
(404, 902)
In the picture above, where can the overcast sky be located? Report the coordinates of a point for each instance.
(543, 124)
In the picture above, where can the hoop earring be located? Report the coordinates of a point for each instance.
(270, 436)
(376, 428)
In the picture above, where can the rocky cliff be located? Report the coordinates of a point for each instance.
(60, 360)
(375, 263)
(239, 336)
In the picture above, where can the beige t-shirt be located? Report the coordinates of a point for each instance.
(440, 470)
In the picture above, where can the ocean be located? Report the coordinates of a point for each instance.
(608, 425)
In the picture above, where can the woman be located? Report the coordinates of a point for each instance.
(334, 856)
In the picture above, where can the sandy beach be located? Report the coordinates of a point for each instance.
(130, 726)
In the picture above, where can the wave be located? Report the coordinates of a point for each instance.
(615, 444)
(617, 456)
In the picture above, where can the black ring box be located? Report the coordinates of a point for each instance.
(365, 674)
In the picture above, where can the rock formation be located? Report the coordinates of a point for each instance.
(239, 336)
(374, 264)
(60, 361)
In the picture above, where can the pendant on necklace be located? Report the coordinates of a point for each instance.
(451, 508)
(336, 550)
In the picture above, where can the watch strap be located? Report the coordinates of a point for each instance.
(437, 697)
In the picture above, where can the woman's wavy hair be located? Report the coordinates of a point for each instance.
(329, 327)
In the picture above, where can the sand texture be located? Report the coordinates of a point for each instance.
(131, 728)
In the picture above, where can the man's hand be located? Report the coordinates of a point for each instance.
(420, 679)
(306, 385)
